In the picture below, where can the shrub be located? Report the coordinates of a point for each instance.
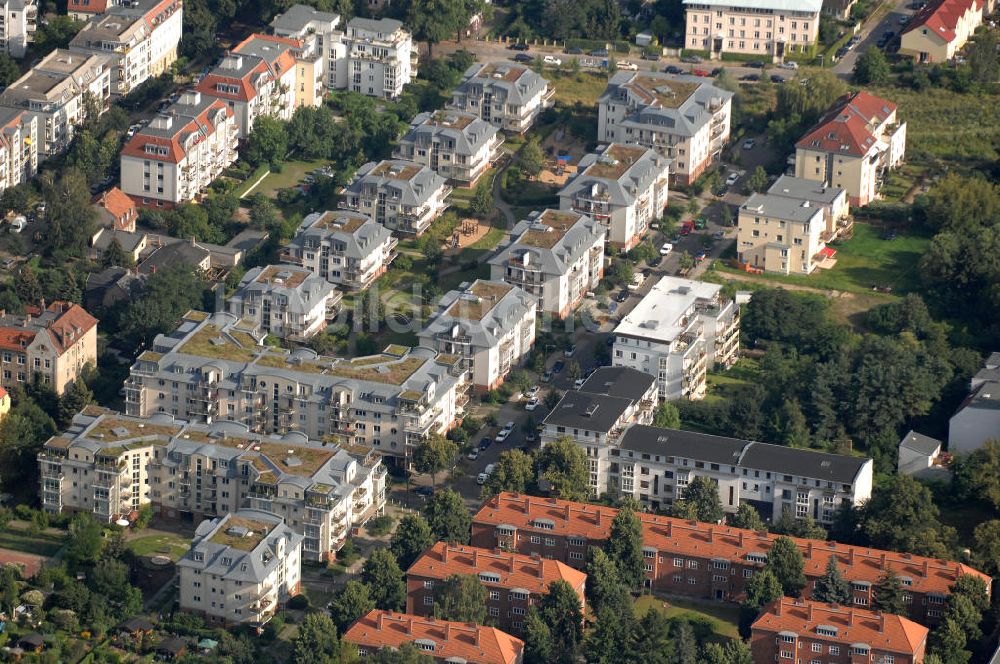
(299, 603)
(380, 525)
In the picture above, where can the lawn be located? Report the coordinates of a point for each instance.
(452, 280)
(724, 617)
(723, 385)
(291, 174)
(39, 544)
(584, 87)
(171, 546)
(863, 261)
(488, 241)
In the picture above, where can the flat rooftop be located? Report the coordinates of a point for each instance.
(502, 71)
(615, 161)
(478, 300)
(660, 90)
(283, 275)
(451, 119)
(395, 171)
(558, 224)
(340, 220)
(241, 533)
(659, 315)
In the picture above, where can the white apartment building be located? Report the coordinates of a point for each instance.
(54, 91)
(17, 31)
(554, 256)
(141, 37)
(679, 330)
(682, 117)
(653, 465)
(240, 569)
(110, 465)
(624, 187)
(18, 146)
(490, 324)
(180, 152)
(763, 28)
(317, 31)
(456, 145)
(401, 195)
(380, 58)
(346, 248)
(287, 302)
(506, 95)
(214, 368)
(780, 234)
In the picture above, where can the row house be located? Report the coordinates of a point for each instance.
(346, 248)
(653, 465)
(768, 29)
(18, 25)
(705, 560)
(287, 302)
(490, 324)
(215, 368)
(456, 145)
(681, 117)
(555, 256)
(597, 414)
(506, 95)
(141, 37)
(852, 146)
(53, 343)
(679, 330)
(57, 91)
(624, 187)
(401, 195)
(241, 568)
(443, 641)
(939, 31)
(797, 630)
(110, 465)
(177, 155)
(513, 582)
(18, 146)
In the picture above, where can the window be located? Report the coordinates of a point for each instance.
(678, 562)
(428, 584)
(648, 567)
(518, 595)
(518, 610)
(495, 595)
(834, 650)
(535, 539)
(494, 612)
(817, 647)
(428, 600)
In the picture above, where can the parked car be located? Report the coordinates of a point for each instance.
(751, 78)
(547, 376)
(573, 50)
(519, 46)
(532, 404)
(473, 455)
(733, 178)
(699, 72)
(691, 59)
(599, 53)
(531, 392)
(622, 296)
(484, 443)
(502, 436)
(673, 69)
(558, 366)
(552, 60)
(789, 65)
(715, 72)
(570, 350)
(666, 248)
(701, 256)
(777, 79)
(653, 262)
(424, 491)
(650, 55)
(903, 20)
(700, 223)
(523, 57)
(718, 235)
(481, 478)
(749, 143)
(627, 66)
(755, 64)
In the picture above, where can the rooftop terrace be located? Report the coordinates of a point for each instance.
(395, 171)
(558, 224)
(284, 275)
(478, 301)
(615, 161)
(241, 533)
(665, 92)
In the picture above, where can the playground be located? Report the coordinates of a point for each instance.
(468, 232)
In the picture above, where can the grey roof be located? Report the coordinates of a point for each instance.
(563, 253)
(803, 463)
(620, 382)
(466, 131)
(177, 118)
(585, 410)
(386, 26)
(985, 397)
(757, 5)
(297, 17)
(486, 331)
(414, 187)
(59, 77)
(128, 241)
(920, 443)
(191, 253)
(640, 91)
(623, 190)
(300, 287)
(789, 186)
(678, 443)
(787, 209)
(513, 83)
(331, 227)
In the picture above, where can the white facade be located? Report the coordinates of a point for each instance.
(240, 569)
(556, 257)
(17, 31)
(380, 58)
(180, 152)
(508, 96)
(456, 145)
(401, 195)
(287, 302)
(765, 28)
(18, 147)
(318, 32)
(625, 187)
(677, 332)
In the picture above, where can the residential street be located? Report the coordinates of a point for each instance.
(870, 33)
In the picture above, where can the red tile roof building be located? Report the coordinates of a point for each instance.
(701, 559)
(514, 581)
(799, 631)
(852, 145)
(940, 29)
(116, 210)
(56, 342)
(443, 640)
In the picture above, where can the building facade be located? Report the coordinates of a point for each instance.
(978, 416)
(18, 146)
(940, 29)
(55, 92)
(556, 257)
(111, 465)
(514, 582)
(240, 569)
(346, 248)
(767, 29)
(681, 117)
(213, 368)
(852, 146)
(456, 145)
(832, 200)
(55, 343)
(779, 234)
(175, 157)
(796, 629)
(506, 95)
(317, 31)
(380, 58)
(704, 560)
(287, 302)
(17, 31)
(625, 187)
(490, 324)
(401, 195)
(679, 330)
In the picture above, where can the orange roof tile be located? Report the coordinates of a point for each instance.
(880, 631)
(704, 540)
(941, 17)
(72, 324)
(847, 127)
(473, 643)
(136, 147)
(512, 570)
(116, 202)
(88, 7)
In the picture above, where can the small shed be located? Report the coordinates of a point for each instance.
(171, 648)
(136, 626)
(921, 456)
(31, 642)
(207, 646)
(644, 38)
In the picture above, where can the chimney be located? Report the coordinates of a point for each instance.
(809, 611)
(850, 617)
(881, 622)
(512, 561)
(598, 517)
(927, 568)
(850, 556)
(475, 558)
(741, 539)
(409, 625)
(777, 608)
(476, 629)
(882, 561)
(711, 534)
(380, 617)
(527, 504)
(670, 528)
(444, 553)
(809, 549)
(567, 511)
(447, 631)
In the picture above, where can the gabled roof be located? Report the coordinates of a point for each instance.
(941, 17)
(554, 239)
(194, 116)
(847, 128)
(516, 83)
(116, 202)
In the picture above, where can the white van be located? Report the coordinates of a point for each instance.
(489, 469)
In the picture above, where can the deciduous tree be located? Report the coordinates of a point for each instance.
(871, 67)
(514, 471)
(384, 579)
(448, 517)
(667, 416)
(460, 597)
(316, 641)
(434, 454)
(747, 517)
(413, 536)
(352, 602)
(784, 560)
(700, 501)
(564, 465)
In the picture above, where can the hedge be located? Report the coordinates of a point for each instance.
(594, 44)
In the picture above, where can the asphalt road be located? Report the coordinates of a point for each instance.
(893, 21)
